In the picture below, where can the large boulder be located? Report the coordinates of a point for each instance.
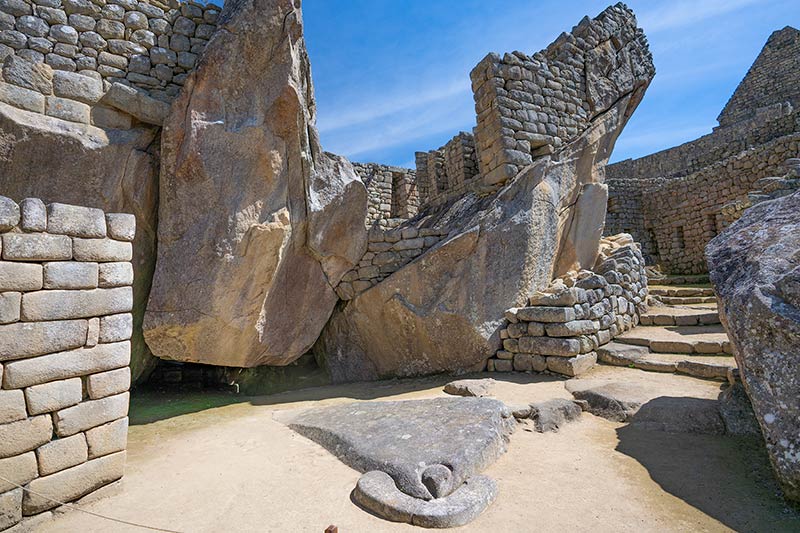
(755, 268)
(256, 224)
(114, 170)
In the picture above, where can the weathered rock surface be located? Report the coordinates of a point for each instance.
(429, 447)
(114, 170)
(470, 387)
(755, 268)
(443, 311)
(256, 224)
(554, 414)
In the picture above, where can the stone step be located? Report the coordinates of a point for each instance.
(695, 279)
(666, 290)
(686, 300)
(680, 316)
(710, 339)
(640, 357)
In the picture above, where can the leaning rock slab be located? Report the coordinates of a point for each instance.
(421, 457)
(256, 224)
(755, 268)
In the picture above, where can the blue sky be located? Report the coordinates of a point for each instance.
(392, 76)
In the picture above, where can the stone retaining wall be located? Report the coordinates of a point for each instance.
(86, 60)
(563, 325)
(65, 325)
(387, 252)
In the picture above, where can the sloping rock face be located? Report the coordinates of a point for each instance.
(256, 224)
(443, 311)
(755, 268)
(114, 170)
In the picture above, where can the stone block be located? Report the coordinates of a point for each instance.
(572, 329)
(70, 275)
(101, 250)
(522, 362)
(116, 328)
(22, 98)
(106, 117)
(63, 365)
(546, 314)
(75, 221)
(116, 274)
(572, 366)
(20, 276)
(108, 383)
(34, 215)
(121, 226)
(61, 454)
(28, 75)
(67, 109)
(9, 213)
(538, 363)
(72, 483)
(10, 508)
(137, 103)
(23, 339)
(563, 298)
(36, 247)
(60, 304)
(12, 406)
(108, 438)
(9, 307)
(562, 347)
(50, 397)
(93, 332)
(89, 414)
(18, 469)
(24, 435)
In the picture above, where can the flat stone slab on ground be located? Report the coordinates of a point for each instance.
(470, 387)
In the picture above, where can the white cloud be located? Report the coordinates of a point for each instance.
(682, 13)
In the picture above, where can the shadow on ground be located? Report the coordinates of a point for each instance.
(728, 478)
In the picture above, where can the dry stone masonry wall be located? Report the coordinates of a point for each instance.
(563, 325)
(449, 172)
(391, 192)
(98, 62)
(65, 325)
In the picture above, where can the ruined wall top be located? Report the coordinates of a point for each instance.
(772, 80)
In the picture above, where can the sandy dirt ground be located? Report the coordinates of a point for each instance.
(194, 467)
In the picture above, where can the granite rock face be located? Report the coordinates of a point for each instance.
(755, 268)
(114, 170)
(421, 457)
(257, 224)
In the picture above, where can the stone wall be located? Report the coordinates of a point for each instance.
(528, 105)
(65, 303)
(563, 325)
(85, 61)
(448, 172)
(391, 192)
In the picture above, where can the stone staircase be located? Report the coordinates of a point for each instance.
(680, 333)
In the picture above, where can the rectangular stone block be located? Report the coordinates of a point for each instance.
(572, 329)
(546, 314)
(27, 339)
(569, 297)
(70, 275)
(75, 221)
(93, 332)
(34, 215)
(572, 366)
(49, 397)
(108, 118)
(71, 484)
(61, 454)
(61, 304)
(121, 226)
(18, 469)
(108, 383)
(20, 276)
(108, 438)
(10, 508)
(10, 303)
(36, 247)
(66, 109)
(21, 98)
(24, 435)
(101, 250)
(64, 365)
(90, 414)
(12, 406)
(550, 346)
(115, 274)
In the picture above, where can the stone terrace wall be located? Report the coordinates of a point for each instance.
(526, 105)
(391, 192)
(625, 212)
(576, 314)
(81, 60)
(773, 79)
(448, 172)
(684, 214)
(65, 302)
